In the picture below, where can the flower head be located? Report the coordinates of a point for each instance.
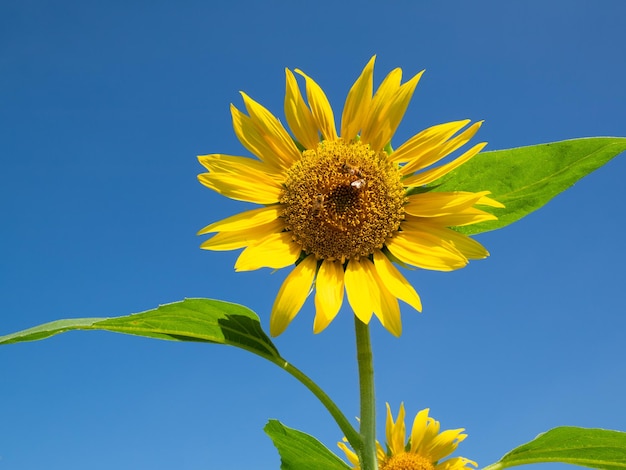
(424, 449)
(344, 207)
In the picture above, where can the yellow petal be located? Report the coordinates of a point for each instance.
(272, 131)
(243, 188)
(426, 140)
(328, 294)
(241, 166)
(299, 116)
(254, 139)
(292, 295)
(360, 297)
(430, 433)
(435, 204)
(395, 282)
(392, 114)
(469, 216)
(350, 455)
(419, 429)
(381, 301)
(224, 241)
(387, 89)
(470, 248)
(389, 311)
(455, 463)
(395, 432)
(421, 249)
(445, 443)
(358, 102)
(244, 220)
(487, 201)
(320, 107)
(441, 150)
(436, 173)
(276, 251)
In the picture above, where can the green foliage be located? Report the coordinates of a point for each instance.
(202, 320)
(300, 451)
(595, 448)
(526, 178)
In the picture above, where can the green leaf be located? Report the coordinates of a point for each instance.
(300, 451)
(203, 320)
(526, 178)
(595, 448)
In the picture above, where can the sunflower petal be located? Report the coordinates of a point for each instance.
(360, 297)
(358, 102)
(419, 429)
(396, 431)
(487, 201)
(470, 248)
(320, 107)
(395, 282)
(350, 455)
(441, 150)
(392, 113)
(456, 463)
(242, 188)
(241, 166)
(252, 138)
(329, 288)
(292, 295)
(387, 89)
(425, 141)
(244, 220)
(389, 311)
(435, 204)
(383, 303)
(299, 116)
(445, 443)
(233, 240)
(276, 251)
(272, 131)
(431, 175)
(468, 216)
(426, 251)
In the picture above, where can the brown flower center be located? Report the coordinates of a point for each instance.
(342, 201)
(406, 461)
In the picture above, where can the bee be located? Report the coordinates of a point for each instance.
(318, 204)
(351, 170)
(358, 184)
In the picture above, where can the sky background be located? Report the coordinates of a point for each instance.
(104, 107)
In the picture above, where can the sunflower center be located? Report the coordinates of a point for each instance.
(342, 201)
(407, 461)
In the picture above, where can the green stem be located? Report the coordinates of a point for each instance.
(367, 452)
(348, 430)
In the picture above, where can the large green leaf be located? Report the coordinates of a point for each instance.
(204, 320)
(595, 448)
(300, 451)
(526, 178)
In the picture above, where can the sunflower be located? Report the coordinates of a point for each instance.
(424, 449)
(343, 208)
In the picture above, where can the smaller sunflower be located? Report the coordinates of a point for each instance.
(424, 449)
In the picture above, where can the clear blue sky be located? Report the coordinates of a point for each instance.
(103, 109)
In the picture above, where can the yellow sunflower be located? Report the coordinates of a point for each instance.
(343, 207)
(424, 449)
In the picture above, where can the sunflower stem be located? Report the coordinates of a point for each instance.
(367, 452)
(349, 431)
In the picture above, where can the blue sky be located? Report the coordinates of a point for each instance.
(103, 109)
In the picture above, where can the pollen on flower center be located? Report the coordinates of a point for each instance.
(342, 200)
(407, 461)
